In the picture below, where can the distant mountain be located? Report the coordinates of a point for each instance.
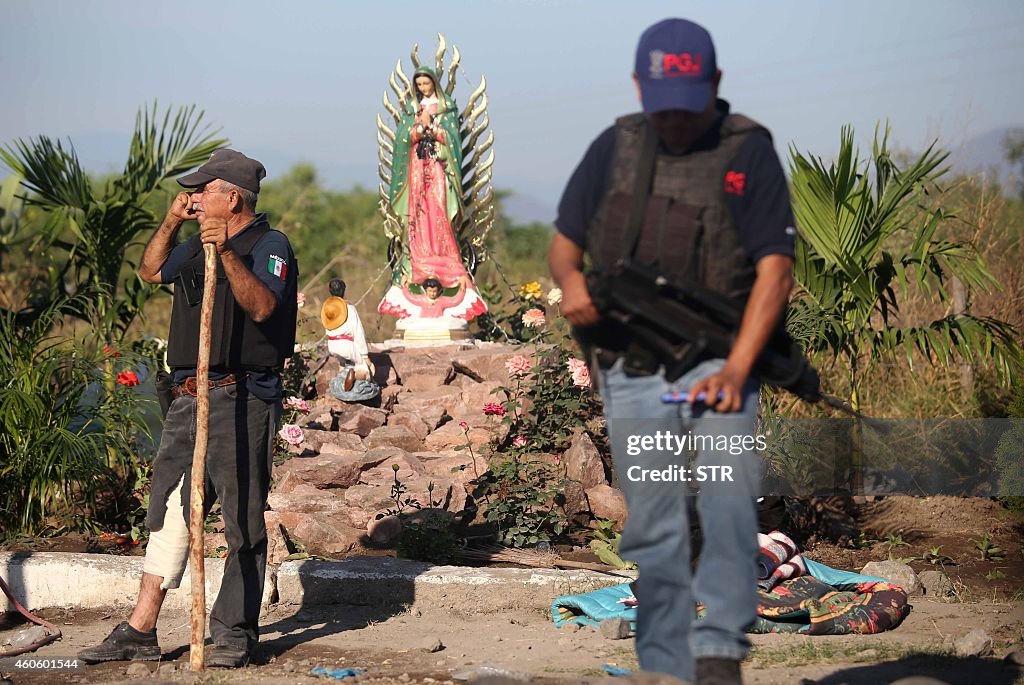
(985, 154)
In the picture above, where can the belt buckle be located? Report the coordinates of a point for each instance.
(191, 386)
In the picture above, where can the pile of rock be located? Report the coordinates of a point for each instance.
(328, 495)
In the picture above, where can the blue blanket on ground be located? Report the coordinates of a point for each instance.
(593, 607)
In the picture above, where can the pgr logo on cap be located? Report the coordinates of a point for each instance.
(667, 64)
(675, 66)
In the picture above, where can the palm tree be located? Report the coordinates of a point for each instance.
(868, 236)
(94, 224)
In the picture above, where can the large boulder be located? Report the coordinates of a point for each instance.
(583, 462)
(307, 499)
(476, 395)
(323, 534)
(573, 499)
(411, 421)
(451, 435)
(384, 472)
(430, 405)
(428, 378)
(895, 572)
(487, 363)
(341, 443)
(338, 470)
(366, 501)
(394, 435)
(936, 584)
(455, 465)
(608, 503)
(361, 420)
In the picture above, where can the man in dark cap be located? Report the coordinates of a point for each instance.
(255, 309)
(696, 194)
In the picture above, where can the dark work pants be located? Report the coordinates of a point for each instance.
(238, 468)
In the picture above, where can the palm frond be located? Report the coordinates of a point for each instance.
(52, 174)
(159, 152)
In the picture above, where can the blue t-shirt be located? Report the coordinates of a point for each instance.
(756, 192)
(274, 265)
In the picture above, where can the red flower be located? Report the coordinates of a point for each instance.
(463, 425)
(127, 378)
(494, 409)
(110, 351)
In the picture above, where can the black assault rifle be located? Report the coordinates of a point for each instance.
(677, 323)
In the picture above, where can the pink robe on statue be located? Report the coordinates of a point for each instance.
(433, 251)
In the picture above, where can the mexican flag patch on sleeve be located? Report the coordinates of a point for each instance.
(277, 266)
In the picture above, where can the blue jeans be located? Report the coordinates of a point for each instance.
(657, 535)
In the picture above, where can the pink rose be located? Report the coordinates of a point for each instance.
(533, 318)
(300, 299)
(291, 434)
(297, 403)
(494, 409)
(463, 425)
(518, 365)
(518, 441)
(580, 373)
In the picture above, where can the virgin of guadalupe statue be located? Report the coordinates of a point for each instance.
(426, 207)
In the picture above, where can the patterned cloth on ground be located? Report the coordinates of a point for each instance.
(809, 606)
(778, 559)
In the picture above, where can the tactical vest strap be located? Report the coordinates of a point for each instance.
(641, 190)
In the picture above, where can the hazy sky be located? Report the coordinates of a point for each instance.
(302, 80)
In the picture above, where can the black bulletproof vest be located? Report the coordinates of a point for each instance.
(237, 342)
(687, 230)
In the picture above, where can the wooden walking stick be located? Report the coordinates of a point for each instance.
(198, 487)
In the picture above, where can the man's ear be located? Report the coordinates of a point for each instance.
(235, 202)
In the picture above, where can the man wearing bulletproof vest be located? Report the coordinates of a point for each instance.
(695, 195)
(255, 308)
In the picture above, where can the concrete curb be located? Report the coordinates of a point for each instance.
(41, 580)
(99, 581)
(386, 581)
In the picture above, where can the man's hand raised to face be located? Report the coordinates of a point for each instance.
(181, 207)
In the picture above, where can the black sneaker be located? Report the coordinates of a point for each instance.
(123, 644)
(227, 656)
(716, 671)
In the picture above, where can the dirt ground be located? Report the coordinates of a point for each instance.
(395, 650)
(909, 528)
(988, 594)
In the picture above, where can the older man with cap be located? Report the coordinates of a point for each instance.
(695, 194)
(255, 312)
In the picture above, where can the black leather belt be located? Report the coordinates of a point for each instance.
(190, 386)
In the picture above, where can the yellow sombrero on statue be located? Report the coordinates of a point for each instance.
(334, 313)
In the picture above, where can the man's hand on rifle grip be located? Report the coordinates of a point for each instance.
(727, 383)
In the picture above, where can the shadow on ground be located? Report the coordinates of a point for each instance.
(943, 669)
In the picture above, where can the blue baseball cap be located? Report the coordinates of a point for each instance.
(675, 65)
